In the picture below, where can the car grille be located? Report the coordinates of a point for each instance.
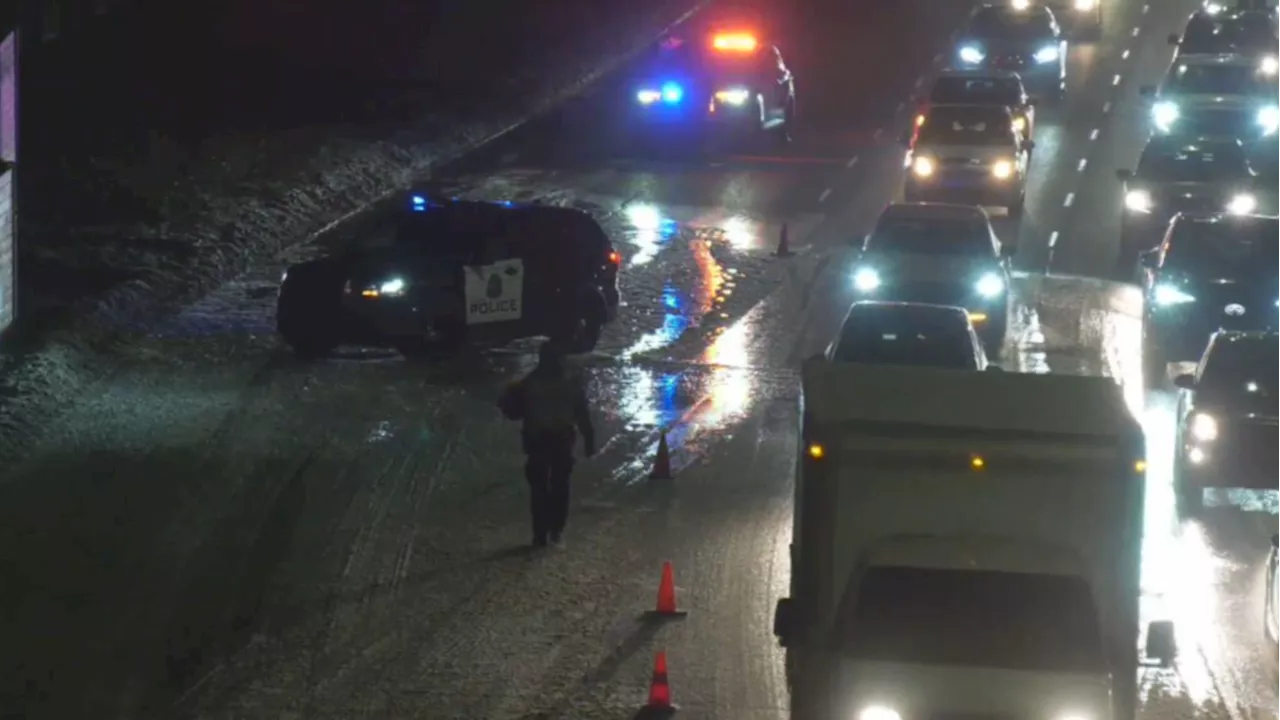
(962, 163)
(1179, 202)
(1237, 307)
(1253, 444)
(1226, 123)
(1008, 62)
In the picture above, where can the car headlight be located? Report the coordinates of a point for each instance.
(1020, 4)
(971, 54)
(1214, 8)
(648, 97)
(866, 280)
(1269, 119)
(394, 286)
(1242, 204)
(1085, 5)
(733, 96)
(1268, 65)
(1046, 54)
(1164, 115)
(1203, 428)
(1138, 201)
(922, 166)
(878, 712)
(1169, 295)
(1020, 123)
(990, 285)
(1002, 169)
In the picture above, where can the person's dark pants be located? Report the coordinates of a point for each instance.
(547, 468)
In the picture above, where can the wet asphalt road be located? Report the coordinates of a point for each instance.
(222, 532)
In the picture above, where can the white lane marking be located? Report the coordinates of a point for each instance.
(1106, 106)
(1115, 80)
(1124, 55)
(1071, 198)
(1094, 134)
(1053, 239)
(825, 194)
(852, 161)
(1084, 162)
(1136, 31)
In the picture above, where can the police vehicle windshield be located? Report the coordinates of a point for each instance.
(967, 126)
(968, 618)
(957, 90)
(922, 337)
(931, 236)
(1003, 23)
(1243, 372)
(1207, 163)
(1197, 79)
(1225, 251)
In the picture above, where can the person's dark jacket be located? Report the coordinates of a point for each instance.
(552, 403)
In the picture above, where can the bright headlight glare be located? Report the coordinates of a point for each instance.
(1269, 65)
(1170, 295)
(1074, 716)
(648, 97)
(1214, 8)
(1083, 5)
(1269, 119)
(971, 54)
(1242, 204)
(1047, 54)
(733, 96)
(1164, 114)
(866, 279)
(394, 286)
(922, 166)
(1019, 123)
(1203, 427)
(1002, 169)
(990, 285)
(878, 712)
(1138, 201)
(1020, 4)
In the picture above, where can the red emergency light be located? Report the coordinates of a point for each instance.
(735, 42)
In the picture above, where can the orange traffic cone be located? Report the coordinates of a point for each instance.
(662, 463)
(784, 242)
(660, 688)
(666, 606)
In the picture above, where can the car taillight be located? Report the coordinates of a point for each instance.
(615, 258)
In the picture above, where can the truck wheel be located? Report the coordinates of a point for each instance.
(308, 308)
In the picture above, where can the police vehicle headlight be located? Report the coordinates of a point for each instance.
(923, 167)
(1138, 201)
(878, 712)
(733, 96)
(1203, 428)
(1269, 119)
(648, 97)
(866, 280)
(1046, 54)
(1085, 5)
(1002, 169)
(971, 54)
(393, 287)
(1166, 295)
(1164, 115)
(1242, 204)
(1269, 65)
(990, 285)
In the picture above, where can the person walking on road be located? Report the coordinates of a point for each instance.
(552, 402)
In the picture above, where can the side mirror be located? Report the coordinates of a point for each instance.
(1173, 39)
(784, 621)
(1185, 381)
(1147, 91)
(1124, 175)
(1162, 644)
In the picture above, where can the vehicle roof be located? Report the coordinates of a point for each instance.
(933, 211)
(907, 309)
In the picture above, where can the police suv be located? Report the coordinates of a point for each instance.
(458, 273)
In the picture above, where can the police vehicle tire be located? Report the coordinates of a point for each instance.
(309, 304)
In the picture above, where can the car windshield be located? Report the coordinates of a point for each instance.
(890, 337)
(980, 90)
(1010, 24)
(1243, 373)
(973, 618)
(932, 236)
(1216, 80)
(1222, 251)
(1227, 37)
(1194, 164)
(967, 126)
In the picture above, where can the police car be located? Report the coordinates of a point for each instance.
(968, 154)
(1222, 96)
(726, 80)
(458, 273)
(1027, 41)
(983, 87)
